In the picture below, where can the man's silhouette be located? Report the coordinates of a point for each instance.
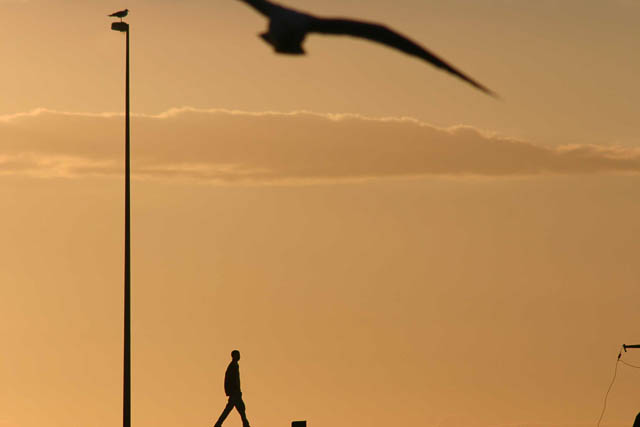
(232, 389)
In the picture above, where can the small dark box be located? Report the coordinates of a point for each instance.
(299, 424)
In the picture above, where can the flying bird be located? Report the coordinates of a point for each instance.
(288, 29)
(120, 14)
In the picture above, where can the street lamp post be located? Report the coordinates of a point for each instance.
(126, 392)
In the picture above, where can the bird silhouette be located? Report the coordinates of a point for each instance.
(288, 29)
(120, 14)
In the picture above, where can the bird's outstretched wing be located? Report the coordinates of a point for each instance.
(381, 34)
(263, 6)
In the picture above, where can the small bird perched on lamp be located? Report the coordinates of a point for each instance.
(120, 14)
(288, 29)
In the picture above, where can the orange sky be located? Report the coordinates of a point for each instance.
(383, 243)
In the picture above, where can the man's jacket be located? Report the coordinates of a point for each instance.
(232, 379)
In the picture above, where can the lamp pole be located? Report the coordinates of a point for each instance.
(126, 389)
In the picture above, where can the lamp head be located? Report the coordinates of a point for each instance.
(120, 26)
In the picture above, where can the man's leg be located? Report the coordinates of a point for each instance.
(239, 403)
(227, 409)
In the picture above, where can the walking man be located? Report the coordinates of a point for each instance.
(232, 389)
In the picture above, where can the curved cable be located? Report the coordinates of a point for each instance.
(604, 406)
(629, 364)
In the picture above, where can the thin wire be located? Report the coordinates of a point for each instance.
(604, 407)
(629, 364)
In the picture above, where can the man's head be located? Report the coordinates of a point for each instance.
(235, 355)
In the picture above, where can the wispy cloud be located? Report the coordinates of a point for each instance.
(228, 146)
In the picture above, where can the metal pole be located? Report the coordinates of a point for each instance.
(126, 380)
(126, 408)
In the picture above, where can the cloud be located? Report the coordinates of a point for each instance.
(227, 146)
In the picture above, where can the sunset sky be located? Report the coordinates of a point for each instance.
(384, 244)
